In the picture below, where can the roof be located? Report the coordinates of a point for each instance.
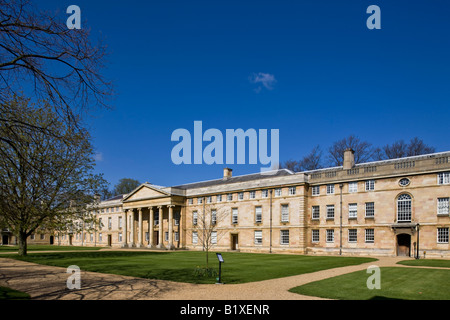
(243, 178)
(119, 197)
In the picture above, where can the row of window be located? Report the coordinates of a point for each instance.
(109, 210)
(404, 209)
(176, 221)
(235, 215)
(352, 211)
(292, 191)
(369, 236)
(78, 236)
(442, 178)
(352, 187)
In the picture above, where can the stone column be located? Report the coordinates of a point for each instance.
(170, 227)
(139, 242)
(160, 231)
(150, 228)
(132, 229)
(125, 230)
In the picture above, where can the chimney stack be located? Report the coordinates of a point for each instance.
(349, 159)
(227, 172)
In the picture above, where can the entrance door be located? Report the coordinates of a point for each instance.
(404, 245)
(156, 238)
(234, 242)
(5, 240)
(51, 240)
(109, 240)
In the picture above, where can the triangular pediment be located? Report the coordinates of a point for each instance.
(145, 191)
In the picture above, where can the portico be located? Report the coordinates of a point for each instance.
(152, 219)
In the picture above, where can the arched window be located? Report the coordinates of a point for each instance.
(404, 208)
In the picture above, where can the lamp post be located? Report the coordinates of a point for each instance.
(340, 222)
(270, 220)
(418, 233)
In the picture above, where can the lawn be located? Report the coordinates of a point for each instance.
(180, 266)
(396, 283)
(426, 263)
(43, 247)
(10, 294)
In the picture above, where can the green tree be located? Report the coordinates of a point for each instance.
(126, 185)
(46, 171)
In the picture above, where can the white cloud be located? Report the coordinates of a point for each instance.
(98, 156)
(267, 80)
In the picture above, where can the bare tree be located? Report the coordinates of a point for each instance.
(363, 150)
(208, 226)
(40, 57)
(401, 149)
(311, 161)
(417, 147)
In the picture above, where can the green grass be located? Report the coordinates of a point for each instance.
(396, 283)
(10, 294)
(43, 247)
(180, 266)
(426, 263)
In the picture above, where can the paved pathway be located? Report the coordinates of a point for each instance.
(48, 283)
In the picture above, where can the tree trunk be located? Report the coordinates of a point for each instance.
(22, 244)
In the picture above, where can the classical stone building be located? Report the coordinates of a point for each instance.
(392, 207)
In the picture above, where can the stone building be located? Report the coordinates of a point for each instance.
(392, 207)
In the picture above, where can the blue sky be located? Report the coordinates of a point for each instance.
(175, 62)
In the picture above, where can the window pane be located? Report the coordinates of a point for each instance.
(315, 212)
(370, 235)
(443, 206)
(370, 209)
(352, 210)
(285, 213)
(234, 218)
(330, 189)
(404, 208)
(258, 214)
(353, 187)
(258, 237)
(352, 235)
(330, 235)
(284, 236)
(315, 236)
(330, 211)
(442, 235)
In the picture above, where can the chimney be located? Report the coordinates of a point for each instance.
(227, 172)
(349, 159)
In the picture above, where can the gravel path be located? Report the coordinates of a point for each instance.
(49, 283)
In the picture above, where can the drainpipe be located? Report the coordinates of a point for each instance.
(270, 210)
(340, 223)
(204, 222)
(418, 233)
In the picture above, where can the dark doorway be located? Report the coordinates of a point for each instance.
(109, 240)
(404, 245)
(5, 240)
(51, 240)
(234, 242)
(156, 238)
